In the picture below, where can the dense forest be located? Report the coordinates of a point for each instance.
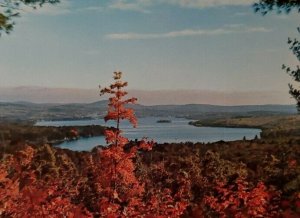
(254, 178)
(141, 178)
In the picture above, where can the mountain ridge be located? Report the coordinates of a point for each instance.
(44, 111)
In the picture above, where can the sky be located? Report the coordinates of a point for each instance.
(185, 46)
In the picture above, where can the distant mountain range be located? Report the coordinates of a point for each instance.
(31, 111)
(39, 94)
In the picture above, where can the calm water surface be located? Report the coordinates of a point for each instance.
(177, 131)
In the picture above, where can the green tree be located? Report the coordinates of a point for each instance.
(10, 9)
(294, 73)
(264, 6)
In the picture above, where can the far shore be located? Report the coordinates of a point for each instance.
(14, 133)
(272, 126)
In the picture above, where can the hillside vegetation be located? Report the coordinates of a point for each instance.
(273, 127)
(239, 179)
(26, 132)
(21, 111)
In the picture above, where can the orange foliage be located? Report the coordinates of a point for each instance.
(113, 181)
(123, 195)
(22, 195)
(238, 200)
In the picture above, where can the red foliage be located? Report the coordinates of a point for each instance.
(291, 206)
(114, 181)
(122, 194)
(239, 200)
(31, 184)
(292, 163)
(74, 133)
(23, 195)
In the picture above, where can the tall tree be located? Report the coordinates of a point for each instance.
(122, 193)
(9, 9)
(264, 6)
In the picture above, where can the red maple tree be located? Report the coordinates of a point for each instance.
(118, 184)
(123, 195)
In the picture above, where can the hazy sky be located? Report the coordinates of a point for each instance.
(219, 45)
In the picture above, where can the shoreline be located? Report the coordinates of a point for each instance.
(270, 126)
(196, 124)
(14, 133)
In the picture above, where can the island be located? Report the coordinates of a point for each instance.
(164, 121)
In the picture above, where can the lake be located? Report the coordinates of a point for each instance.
(178, 130)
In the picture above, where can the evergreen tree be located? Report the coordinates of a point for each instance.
(294, 73)
(264, 6)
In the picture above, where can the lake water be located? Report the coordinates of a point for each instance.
(177, 131)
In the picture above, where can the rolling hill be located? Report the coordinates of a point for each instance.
(21, 111)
